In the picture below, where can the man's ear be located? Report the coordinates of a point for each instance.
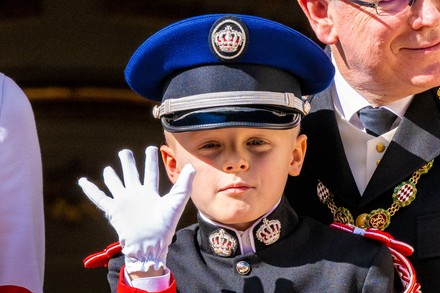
(170, 163)
(320, 19)
(298, 154)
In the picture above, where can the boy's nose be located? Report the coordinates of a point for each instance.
(235, 165)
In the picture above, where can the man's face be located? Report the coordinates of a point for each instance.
(395, 55)
(241, 172)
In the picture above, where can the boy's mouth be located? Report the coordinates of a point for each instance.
(235, 188)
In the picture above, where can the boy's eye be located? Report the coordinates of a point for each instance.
(209, 145)
(256, 142)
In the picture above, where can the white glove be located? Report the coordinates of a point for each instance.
(145, 221)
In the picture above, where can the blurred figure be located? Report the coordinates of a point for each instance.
(22, 238)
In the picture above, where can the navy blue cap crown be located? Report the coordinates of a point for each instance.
(217, 70)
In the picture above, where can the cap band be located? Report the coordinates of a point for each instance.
(212, 78)
(203, 101)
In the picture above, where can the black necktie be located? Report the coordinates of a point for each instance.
(376, 120)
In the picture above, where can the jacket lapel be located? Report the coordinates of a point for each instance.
(331, 166)
(416, 142)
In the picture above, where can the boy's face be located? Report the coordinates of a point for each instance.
(241, 172)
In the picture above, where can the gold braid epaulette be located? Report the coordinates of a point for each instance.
(404, 194)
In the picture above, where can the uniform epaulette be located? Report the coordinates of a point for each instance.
(101, 259)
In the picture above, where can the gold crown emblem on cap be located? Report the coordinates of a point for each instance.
(228, 38)
(269, 232)
(222, 243)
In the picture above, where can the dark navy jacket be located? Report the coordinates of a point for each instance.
(416, 142)
(308, 257)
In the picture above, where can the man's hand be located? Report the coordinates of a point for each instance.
(145, 221)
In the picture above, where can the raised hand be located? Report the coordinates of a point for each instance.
(144, 220)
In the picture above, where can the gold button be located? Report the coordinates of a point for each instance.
(377, 162)
(380, 147)
(243, 268)
(438, 92)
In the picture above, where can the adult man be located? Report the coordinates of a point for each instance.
(387, 54)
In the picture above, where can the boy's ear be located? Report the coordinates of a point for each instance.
(320, 19)
(170, 163)
(298, 154)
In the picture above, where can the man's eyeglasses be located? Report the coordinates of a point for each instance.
(386, 7)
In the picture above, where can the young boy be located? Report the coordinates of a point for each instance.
(231, 88)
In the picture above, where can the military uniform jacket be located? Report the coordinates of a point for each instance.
(308, 257)
(416, 142)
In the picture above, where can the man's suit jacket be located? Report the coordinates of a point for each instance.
(416, 142)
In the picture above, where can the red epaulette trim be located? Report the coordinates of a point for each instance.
(399, 251)
(100, 259)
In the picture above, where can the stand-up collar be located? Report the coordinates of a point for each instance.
(227, 242)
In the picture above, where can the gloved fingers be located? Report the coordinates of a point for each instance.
(151, 176)
(181, 190)
(99, 198)
(129, 169)
(113, 182)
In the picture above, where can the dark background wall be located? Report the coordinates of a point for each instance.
(69, 57)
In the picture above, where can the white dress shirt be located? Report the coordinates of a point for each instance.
(363, 151)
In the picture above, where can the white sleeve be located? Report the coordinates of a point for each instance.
(152, 284)
(22, 238)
